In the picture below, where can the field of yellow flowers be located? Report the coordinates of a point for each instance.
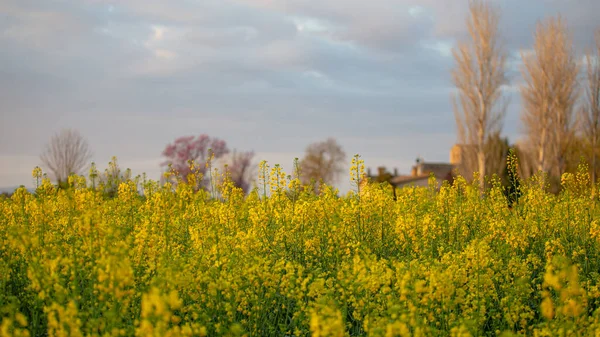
(284, 261)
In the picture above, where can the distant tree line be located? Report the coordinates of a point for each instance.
(202, 160)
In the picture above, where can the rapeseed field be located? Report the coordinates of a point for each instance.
(286, 261)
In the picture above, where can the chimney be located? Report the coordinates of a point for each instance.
(368, 172)
(419, 166)
(395, 171)
(381, 171)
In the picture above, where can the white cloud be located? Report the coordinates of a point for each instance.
(442, 47)
(309, 25)
(159, 33)
(416, 11)
(164, 54)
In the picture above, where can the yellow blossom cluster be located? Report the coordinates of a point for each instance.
(287, 260)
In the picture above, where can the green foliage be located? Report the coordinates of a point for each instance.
(513, 188)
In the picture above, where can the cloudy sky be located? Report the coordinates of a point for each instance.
(265, 75)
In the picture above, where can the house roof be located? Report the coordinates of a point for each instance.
(436, 166)
(440, 170)
(401, 180)
(421, 171)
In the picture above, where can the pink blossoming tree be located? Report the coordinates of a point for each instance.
(195, 149)
(199, 151)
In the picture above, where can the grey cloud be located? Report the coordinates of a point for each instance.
(387, 24)
(270, 76)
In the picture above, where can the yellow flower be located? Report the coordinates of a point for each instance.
(547, 308)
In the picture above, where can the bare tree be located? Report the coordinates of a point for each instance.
(323, 162)
(549, 94)
(67, 153)
(496, 149)
(464, 158)
(591, 106)
(479, 74)
(241, 169)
